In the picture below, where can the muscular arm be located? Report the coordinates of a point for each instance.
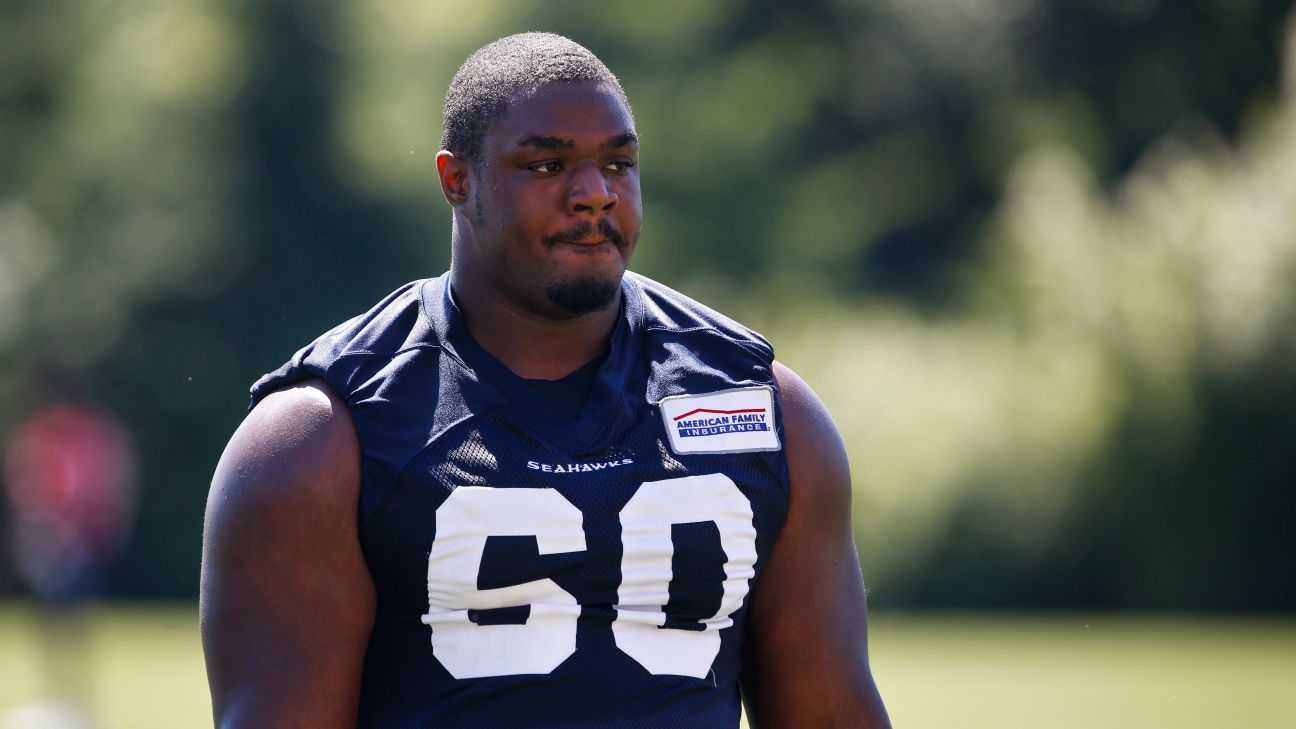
(287, 602)
(805, 662)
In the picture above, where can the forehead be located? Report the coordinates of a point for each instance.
(577, 110)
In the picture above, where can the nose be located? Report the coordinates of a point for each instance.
(590, 191)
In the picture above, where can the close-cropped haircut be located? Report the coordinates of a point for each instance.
(496, 73)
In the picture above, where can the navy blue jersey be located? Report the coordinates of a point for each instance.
(534, 569)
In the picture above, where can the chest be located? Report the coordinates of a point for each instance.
(495, 539)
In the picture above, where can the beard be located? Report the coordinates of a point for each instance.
(583, 295)
(580, 296)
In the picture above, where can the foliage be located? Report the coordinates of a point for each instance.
(1033, 253)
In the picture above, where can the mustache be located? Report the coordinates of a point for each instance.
(583, 230)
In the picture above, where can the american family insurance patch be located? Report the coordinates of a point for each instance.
(730, 421)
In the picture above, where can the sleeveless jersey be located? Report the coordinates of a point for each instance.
(535, 570)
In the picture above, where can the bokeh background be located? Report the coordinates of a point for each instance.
(1037, 256)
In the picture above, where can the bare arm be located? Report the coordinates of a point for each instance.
(287, 603)
(805, 663)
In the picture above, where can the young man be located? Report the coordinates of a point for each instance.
(537, 490)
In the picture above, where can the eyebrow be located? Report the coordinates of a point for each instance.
(544, 141)
(624, 139)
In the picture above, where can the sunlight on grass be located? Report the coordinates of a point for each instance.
(140, 667)
(144, 669)
(1085, 671)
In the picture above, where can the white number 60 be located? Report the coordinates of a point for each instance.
(471, 514)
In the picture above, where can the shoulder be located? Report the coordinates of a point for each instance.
(347, 353)
(280, 515)
(667, 310)
(810, 667)
(296, 445)
(692, 348)
(817, 464)
(286, 488)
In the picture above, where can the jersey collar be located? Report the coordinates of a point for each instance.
(612, 396)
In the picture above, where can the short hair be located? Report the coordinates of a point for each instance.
(494, 74)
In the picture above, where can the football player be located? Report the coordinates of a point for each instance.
(537, 490)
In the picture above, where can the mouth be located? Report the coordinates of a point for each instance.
(587, 248)
(589, 236)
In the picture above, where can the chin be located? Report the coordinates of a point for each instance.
(584, 295)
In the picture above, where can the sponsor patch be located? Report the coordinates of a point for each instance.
(730, 421)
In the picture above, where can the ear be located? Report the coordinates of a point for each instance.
(454, 177)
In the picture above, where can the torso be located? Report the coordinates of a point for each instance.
(532, 570)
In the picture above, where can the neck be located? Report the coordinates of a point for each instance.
(531, 346)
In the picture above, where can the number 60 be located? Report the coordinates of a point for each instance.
(471, 514)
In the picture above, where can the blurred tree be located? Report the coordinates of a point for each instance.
(961, 218)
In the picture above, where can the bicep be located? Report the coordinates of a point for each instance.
(287, 602)
(806, 653)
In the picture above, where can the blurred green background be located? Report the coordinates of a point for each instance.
(1037, 257)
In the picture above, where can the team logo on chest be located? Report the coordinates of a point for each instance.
(730, 421)
(589, 467)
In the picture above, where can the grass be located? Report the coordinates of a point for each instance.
(1066, 672)
(142, 668)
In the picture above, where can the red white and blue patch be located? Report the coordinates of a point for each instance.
(730, 421)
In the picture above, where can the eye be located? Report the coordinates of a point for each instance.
(547, 167)
(620, 165)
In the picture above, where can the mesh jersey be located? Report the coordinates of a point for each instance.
(534, 570)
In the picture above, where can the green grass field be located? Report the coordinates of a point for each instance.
(143, 669)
